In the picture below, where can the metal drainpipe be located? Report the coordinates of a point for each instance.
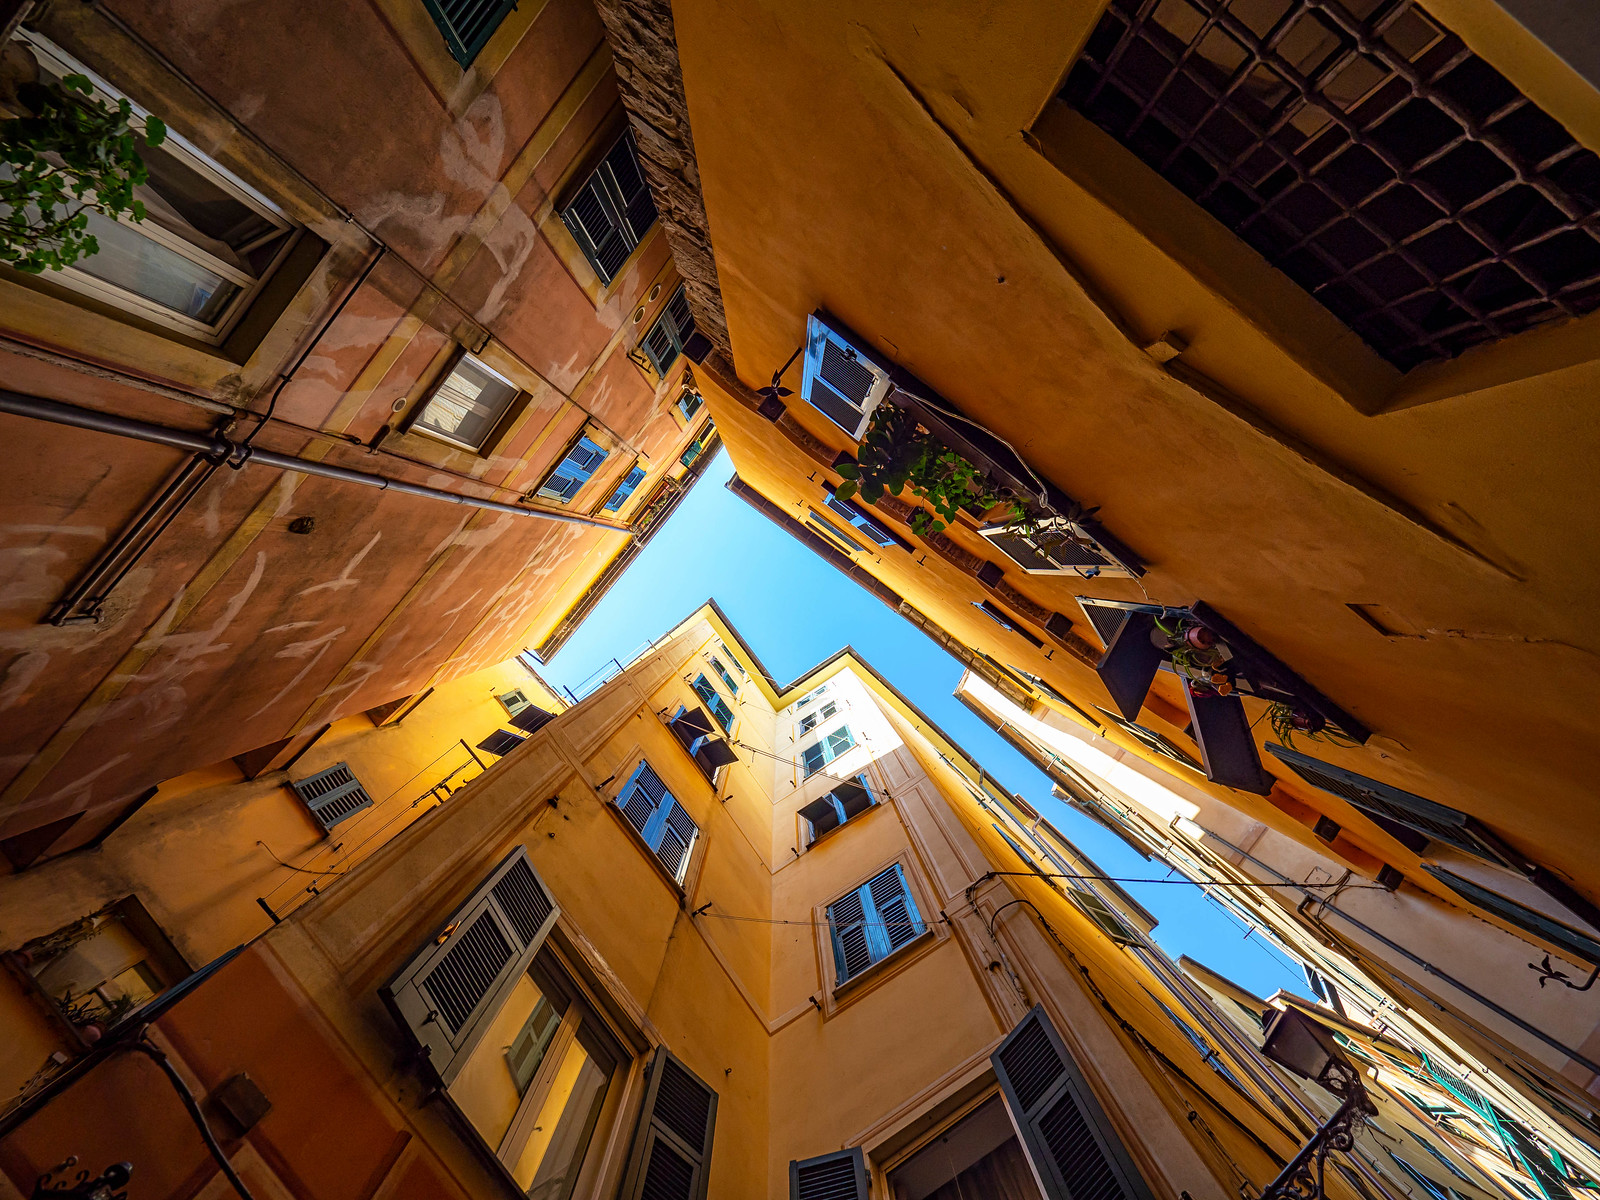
(1427, 966)
(236, 455)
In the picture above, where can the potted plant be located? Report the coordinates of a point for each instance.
(1198, 656)
(1289, 719)
(66, 154)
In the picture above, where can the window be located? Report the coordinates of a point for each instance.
(1158, 742)
(872, 922)
(1208, 1052)
(707, 691)
(831, 533)
(514, 701)
(874, 532)
(837, 1175)
(523, 1057)
(724, 674)
(827, 748)
(333, 795)
(466, 406)
(849, 799)
(810, 720)
(698, 447)
(626, 488)
(101, 967)
(1387, 804)
(205, 249)
(664, 342)
(1005, 620)
(659, 819)
(693, 729)
(1439, 1155)
(1408, 187)
(467, 25)
(1040, 685)
(1101, 913)
(1569, 940)
(728, 656)
(840, 380)
(811, 695)
(573, 471)
(610, 214)
(689, 402)
(1057, 547)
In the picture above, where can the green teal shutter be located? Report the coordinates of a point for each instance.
(467, 25)
(1075, 1151)
(671, 1155)
(1570, 940)
(841, 1175)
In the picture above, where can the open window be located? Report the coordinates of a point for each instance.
(612, 210)
(702, 442)
(707, 692)
(979, 1155)
(574, 470)
(825, 749)
(467, 407)
(848, 800)
(841, 380)
(710, 751)
(629, 484)
(1055, 547)
(862, 522)
(207, 246)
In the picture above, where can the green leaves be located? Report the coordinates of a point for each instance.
(71, 156)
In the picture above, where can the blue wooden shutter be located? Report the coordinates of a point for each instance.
(467, 25)
(1386, 801)
(841, 1175)
(839, 741)
(573, 471)
(897, 919)
(675, 839)
(333, 795)
(847, 920)
(641, 796)
(448, 993)
(872, 922)
(813, 758)
(625, 489)
(1075, 1152)
(671, 1154)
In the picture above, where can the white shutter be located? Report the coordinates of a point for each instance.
(333, 795)
(449, 991)
(840, 380)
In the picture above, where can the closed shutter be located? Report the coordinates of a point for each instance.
(641, 796)
(839, 741)
(449, 992)
(812, 758)
(467, 25)
(333, 795)
(840, 381)
(678, 834)
(841, 1175)
(872, 922)
(613, 210)
(1384, 800)
(671, 1155)
(1075, 1153)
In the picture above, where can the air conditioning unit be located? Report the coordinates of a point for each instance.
(842, 380)
(1058, 547)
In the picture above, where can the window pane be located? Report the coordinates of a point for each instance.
(130, 260)
(467, 404)
(487, 1091)
(554, 1149)
(198, 209)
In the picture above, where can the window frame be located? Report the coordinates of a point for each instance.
(130, 303)
(512, 709)
(865, 783)
(496, 428)
(824, 744)
(463, 53)
(878, 940)
(860, 522)
(713, 700)
(573, 447)
(723, 673)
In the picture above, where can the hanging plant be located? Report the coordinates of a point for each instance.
(69, 155)
(1289, 719)
(1197, 655)
(899, 452)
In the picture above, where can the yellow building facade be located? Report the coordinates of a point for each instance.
(700, 934)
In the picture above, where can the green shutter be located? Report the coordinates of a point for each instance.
(1075, 1151)
(671, 1155)
(841, 1175)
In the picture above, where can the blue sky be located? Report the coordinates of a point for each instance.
(795, 610)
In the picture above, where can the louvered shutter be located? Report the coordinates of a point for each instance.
(812, 758)
(896, 910)
(500, 743)
(467, 25)
(671, 1154)
(841, 1175)
(1106, 622)
(610, 214)
(1379, 799)
(1074, 1151)
(449, 992)
(333, 795)
(641, 796)
(678, 834)
(1571, 941)
(532, 719)
(839, 741)
(847, 918)
(838, 379)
